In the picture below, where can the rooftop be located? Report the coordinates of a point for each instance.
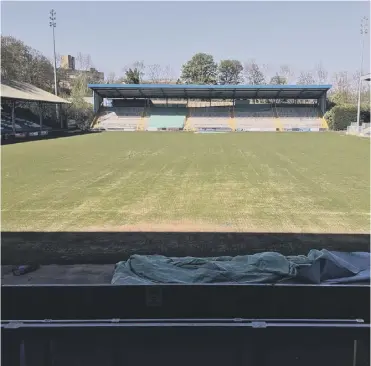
(17, 90)
(209, 91)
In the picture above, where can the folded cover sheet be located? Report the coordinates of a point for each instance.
(318, 267)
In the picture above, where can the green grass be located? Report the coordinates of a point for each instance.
(283, 182)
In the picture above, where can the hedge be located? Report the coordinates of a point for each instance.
(341, 116)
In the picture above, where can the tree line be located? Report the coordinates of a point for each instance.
(21, 62)
(202, 69)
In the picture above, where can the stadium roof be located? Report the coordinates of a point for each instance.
(18, 90)
(209, 91)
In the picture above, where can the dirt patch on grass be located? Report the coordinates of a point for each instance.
(182, 226)
(253, 226)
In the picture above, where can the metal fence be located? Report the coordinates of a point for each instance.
(363, 130)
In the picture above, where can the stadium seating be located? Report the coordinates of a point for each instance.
(21, 124)
(6, 125)
(254, 117)
(218, 118)
(295, 117)
(119, 118)
(132, 115)
(6, 122)
(169, 118)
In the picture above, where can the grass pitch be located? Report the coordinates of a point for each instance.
(267, 182)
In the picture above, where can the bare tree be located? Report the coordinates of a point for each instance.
(356, 83)
(168, 74)
(111, 78)
(321, 74)
(154, 73)
(341, 91)
(305, 78)
(58, 58)
(83, 62)
(253, 74)
(286, 72)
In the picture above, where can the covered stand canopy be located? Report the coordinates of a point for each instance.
(17, 91)
(210, 91)
(190, 91)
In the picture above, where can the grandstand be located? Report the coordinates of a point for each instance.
(166, 118)
(120, 118)
(194, 108)
(24, 120)
(206, 118)
(17, 120)
(299, 117)
(254, 117)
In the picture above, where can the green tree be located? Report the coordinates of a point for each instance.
(341, 116)
(133, 73)
(200, 69)
(80, 110)
(20, 62)
(132, 76)
(230, 72)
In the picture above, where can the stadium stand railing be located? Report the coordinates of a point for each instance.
(254, 117)
(146, 115)
(23, 123)
(166, 118)
(362, 130)
(300, 118)
(119, 118)
(210, 118)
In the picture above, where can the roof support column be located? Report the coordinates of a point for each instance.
(41, 116)
(322, 103)
(58, 109)
(97, 101)
(13, 116)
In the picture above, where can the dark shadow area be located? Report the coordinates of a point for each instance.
(55, 134)
(198, 324)
(188, 345)
(111, 247)
(94, 323)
